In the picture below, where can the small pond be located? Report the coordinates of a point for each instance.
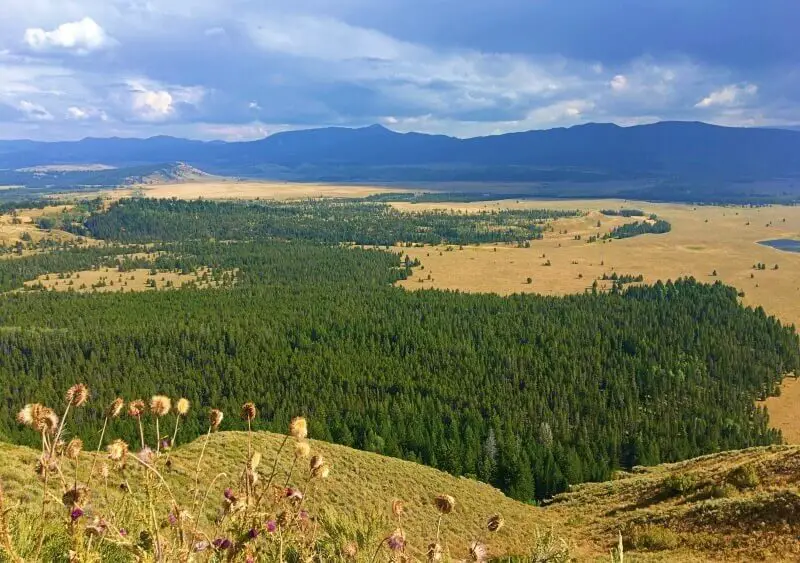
(789, 245)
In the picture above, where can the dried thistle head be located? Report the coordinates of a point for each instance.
(398, 508)
(321, 472)
(444, 504)
(215, 418)
(495, 523)
(249, 411)
(77, 395)
(39, 417)
(25, 415)
(350, 550)
(302, 449)
(255, 460)
(77, 495)
(136, 408)
(434, 553)
(160, 405)
(115, 408)
(182, 406)
(117, 450)
(298, 428)
(73, 449)
(104, 471)
(316, 462)
(478, 552)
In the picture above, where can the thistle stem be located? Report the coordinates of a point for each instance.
(97, 453)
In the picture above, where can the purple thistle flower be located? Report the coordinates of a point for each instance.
(123, 532)
(396, 542)
(222, 543)
(303, 515)
(229, 494)
(76, 513)
(173, 520)
(166, 443)
(272, 526)
(252, 533)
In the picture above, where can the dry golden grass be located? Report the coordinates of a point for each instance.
(105, 280)
(12, 229)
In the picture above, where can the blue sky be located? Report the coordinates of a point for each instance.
(242, 69)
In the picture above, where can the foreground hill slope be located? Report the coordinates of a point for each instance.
(733, 506)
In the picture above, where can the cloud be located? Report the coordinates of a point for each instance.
(729, 96)
(82, 114)
(81, 37)
(151, 101)
(619, 83)
(33, 111)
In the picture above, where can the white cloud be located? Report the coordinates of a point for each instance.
(82, 114)
(619, 83)
(254, 106)
(153, 102)
(34, 111)
(728, 96)
(81, 37)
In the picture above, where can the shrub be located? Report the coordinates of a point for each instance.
(744, 477)
(654, 538)
(679, 484)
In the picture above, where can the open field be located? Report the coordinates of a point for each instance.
(107, 280)
(231, 189)
(21, 228)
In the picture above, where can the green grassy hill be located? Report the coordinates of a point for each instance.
(734, 506)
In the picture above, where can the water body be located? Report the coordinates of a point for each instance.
(786, 244)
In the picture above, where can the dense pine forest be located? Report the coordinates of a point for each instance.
(528, 393)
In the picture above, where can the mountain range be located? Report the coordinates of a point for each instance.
(666, 160)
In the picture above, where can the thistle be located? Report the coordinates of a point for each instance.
(135, 410)
(182, 406)
(478, 552)
(298, 428)
(117, 450)
(495, 523)
(115, 408)
(444, 504)
(160, 405)
(73, 449)
(249, 412)
(77, 395)
(302, 450)
(215, 417)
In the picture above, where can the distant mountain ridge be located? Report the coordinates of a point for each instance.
(690, 157)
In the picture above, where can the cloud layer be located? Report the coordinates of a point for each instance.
(241, 69)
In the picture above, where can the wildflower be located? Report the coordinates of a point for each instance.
(302, 450)
(123, 532)
(145, 455)
(298, 428)
(397, 508)
(182, 406)
(249, 411)
(165, 443)
(160, 405)
(25, 416)
(75, 496)
(316, 462)
(98, 527)
(136, 408)
(77, 395)
(434, 552)
(272, 526)
(201, 546)
(478, 552)
(223, 543)
(255, 460)
(321, 472)
(228, 494)
(350, 550)
(495, 523)
(104, 470)
(303, 515)
(115, 408)
(39, 417)
(215, 417)
(397, 540)
(74, 448)
(117, 450)
(76, 513)
(445, 504)
(172, 519)
(252, 533)
(293, 494)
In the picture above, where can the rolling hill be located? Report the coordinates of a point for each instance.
(662, 161)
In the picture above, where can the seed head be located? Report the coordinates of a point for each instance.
(398, 509)
(495, 523)
(316, 462)
(321, 472)
(215, 417)
(302, 449)
(73, 449)
(255, 460)
(39, 417)
(298, 428)
(249, 412)
(25, 416)
(478, 552)
(136, 408)
(182, 406)
(145, 455)
(160, 405)
(350, 550)
(75, 496)
(104, 470)
(434, 553)
(115, 408)
(445, 504)
(77, 395)
(117, 450)
(397, 541)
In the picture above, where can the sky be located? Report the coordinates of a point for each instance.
(243, 69)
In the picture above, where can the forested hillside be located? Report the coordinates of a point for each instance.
(529, 393)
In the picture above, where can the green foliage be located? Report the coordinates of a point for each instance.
(639, 228)
(652, 538)
(329, 221)
(623, 212)
(679, 484)
(744, 477)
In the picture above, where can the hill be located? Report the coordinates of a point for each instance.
(732, 506)
(684, 161)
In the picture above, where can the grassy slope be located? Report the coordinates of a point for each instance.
(750, 523)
